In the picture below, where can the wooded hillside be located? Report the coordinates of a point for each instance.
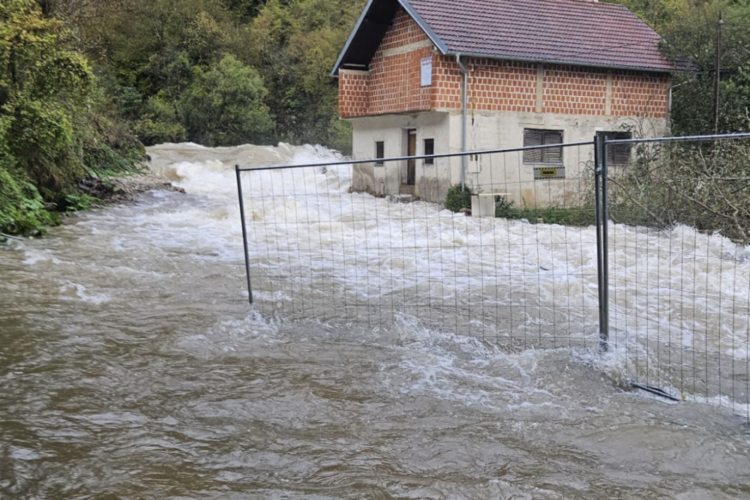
(84, 84)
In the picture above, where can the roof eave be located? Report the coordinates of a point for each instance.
(441, 46)
(410, 10)
(560, 61)
(335, 70)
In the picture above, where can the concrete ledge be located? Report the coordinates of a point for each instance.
(483, 204)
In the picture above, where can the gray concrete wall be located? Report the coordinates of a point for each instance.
(502, 173)
(507, 173)
(431, 180)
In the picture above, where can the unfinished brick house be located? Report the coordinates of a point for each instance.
(437, 76)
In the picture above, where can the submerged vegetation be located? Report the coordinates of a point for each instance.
(84, 84)
(565, 216)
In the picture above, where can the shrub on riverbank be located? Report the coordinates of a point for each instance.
(701, 185)
(570, 216)
(458, 198)
(54, 128)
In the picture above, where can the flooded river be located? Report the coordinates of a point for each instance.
(132, 367)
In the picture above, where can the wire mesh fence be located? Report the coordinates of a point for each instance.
(679, 265)
(524, 257)
(520, 271)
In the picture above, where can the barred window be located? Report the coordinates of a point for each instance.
(429, 149)
(617, 154)
(533, 137)
(379, 152)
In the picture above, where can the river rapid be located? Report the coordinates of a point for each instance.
(132, 367)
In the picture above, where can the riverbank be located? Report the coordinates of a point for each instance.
(126, 189)
(92, 193)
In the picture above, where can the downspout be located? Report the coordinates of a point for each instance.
(669, 109)
(669, 103)
(464, 82)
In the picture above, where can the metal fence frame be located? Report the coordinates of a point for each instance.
(600, 144)
(637, 379)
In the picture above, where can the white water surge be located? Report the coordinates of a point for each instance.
(680, 299)
(132, 366)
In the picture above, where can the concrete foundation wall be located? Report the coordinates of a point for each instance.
(432, 181)
(507, 173)
(500, 173)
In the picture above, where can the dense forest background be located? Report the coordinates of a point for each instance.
(85, 84)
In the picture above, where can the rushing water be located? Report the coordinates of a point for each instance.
(132, 367)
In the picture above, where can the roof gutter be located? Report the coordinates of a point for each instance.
(464, 81)
(560, 61)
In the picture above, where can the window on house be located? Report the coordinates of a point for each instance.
(379, 152)
(617, 154)
(429, 149)
(533, 137)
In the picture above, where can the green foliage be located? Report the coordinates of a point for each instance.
(75, 202)
(296, 45)
(158, 60)
(698, 185)
(42, 85)
(22, 210)
(160, 123)
(458, 198)
(690, 36)
(224, 105)
(572, 216)
(51, 130)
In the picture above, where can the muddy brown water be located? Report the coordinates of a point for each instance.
(131, 367)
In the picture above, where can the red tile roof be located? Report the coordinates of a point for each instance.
(561, 31)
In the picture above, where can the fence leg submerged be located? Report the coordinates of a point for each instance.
(602, 217)
(244, 232)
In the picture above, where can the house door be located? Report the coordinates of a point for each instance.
(411, 165)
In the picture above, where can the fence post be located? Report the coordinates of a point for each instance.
(600, 154)
(605, 241)
(244, 232)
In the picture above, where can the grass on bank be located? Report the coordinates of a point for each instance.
(458, 199)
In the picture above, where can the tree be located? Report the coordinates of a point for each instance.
(296, 46)
(225, 105)
(688, 30)
(43, 84)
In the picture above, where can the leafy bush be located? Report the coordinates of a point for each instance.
(702, 185)
(573, 216)
(53, 120)
(160, 122)
(457, 198)
(22, 209)
(224, 106)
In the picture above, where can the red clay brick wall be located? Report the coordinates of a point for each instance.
(404, 31)
(393, 84)
(639, 94)
(574, 91)
(493, 85)
(353, 96)
(446, 83)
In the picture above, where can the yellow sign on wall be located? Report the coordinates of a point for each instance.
(549, 172)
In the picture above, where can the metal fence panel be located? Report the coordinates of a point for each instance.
(647, 258)
(521, 271)
(679, 266)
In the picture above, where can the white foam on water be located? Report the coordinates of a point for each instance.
(685, 288)
(72, 290)
(35, 256)
(304, 220)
